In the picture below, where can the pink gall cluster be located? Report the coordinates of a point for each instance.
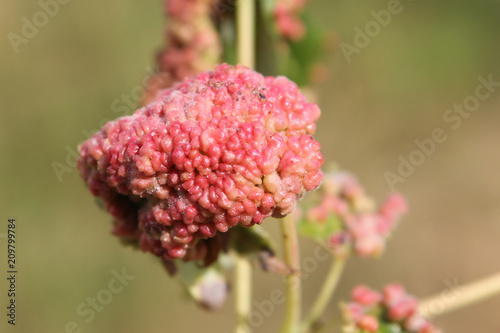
(192, 44)
(364, 227)
(369, 309)
(286, 14)
(224, 148)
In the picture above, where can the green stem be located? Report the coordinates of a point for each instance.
(326, 293)
(245, 20)
(293, 288)
(243, 279)
(463, 296)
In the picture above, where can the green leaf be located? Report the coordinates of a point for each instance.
(228, 37)
(250, 240)
(320, 229)
(267, 7)
(267, 39)
(389, 328)
(265, 17)
(305, 53)
(255, 243)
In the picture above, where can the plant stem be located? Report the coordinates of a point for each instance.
(324, 296)
(243, 279)
(464, 296)
(293, 289)
(245, 18)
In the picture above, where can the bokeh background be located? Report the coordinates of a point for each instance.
(60, 87)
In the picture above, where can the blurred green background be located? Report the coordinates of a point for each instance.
(61, 84)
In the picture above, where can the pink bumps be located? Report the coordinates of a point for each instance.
(216, 150)
(287, 15)
(364, 227)
(192, 44)
(369, 309)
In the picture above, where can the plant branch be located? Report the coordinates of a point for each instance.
(325, 294)
(245, 18)
(464, 296)
(243, 279)
(293, 288)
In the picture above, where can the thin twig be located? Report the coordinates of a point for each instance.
(243, 279)
(325, 294)
(465, 295)
(245, 17)
(293, 288)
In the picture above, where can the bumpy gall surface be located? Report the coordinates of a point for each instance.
(224, 148)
